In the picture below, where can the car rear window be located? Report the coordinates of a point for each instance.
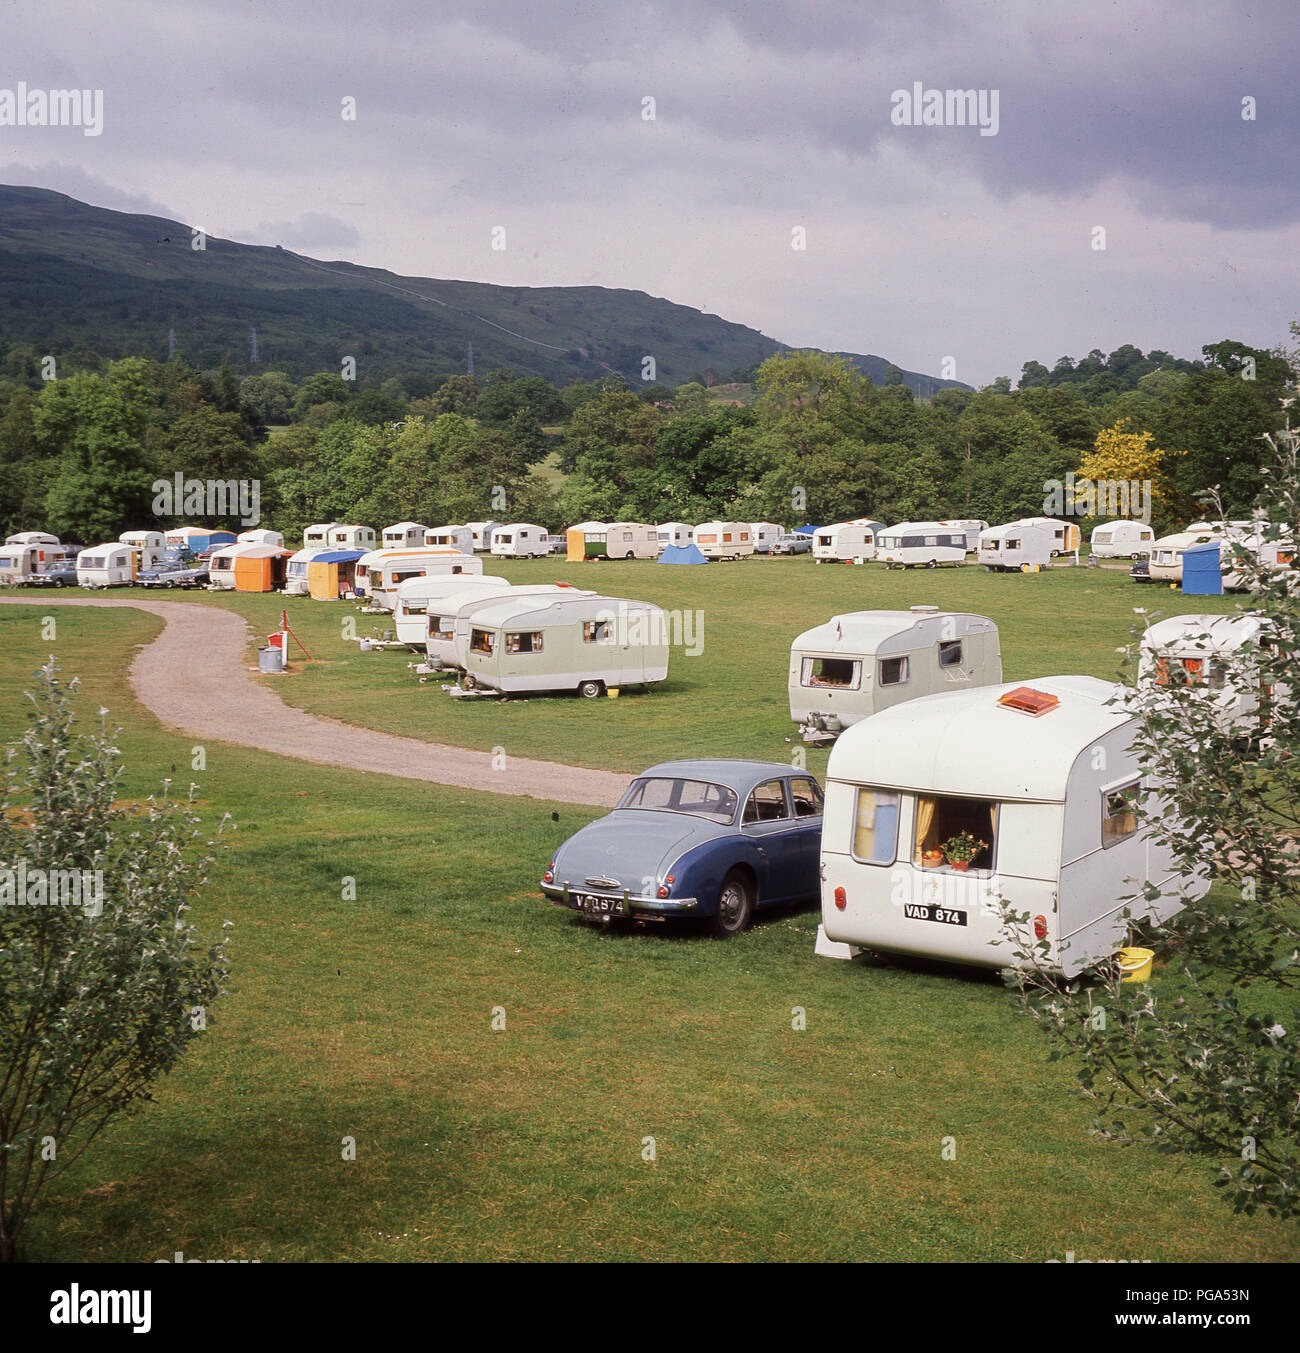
(670, 794)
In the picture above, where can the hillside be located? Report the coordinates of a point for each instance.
(78, 278)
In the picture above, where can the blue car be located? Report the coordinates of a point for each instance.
(709, 839)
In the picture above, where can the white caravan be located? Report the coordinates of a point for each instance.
(520, 540)
(482, 534)
(1166, 564)
(724, 539)
(295, 570)
(260, 536)
(1043, 778)
(32, 538)
(566, 643)
(1122, 540)
(1270, 555)
(1023, 544)
(110, 565)
(674, 533)
(318, 536)
(970, 527)
(920, 544)
(342, 536)
(414, 596)
(844, 541)
(450, 538)
(28, 555)
(766, 534)
(148, 544)
(446, 637)
(378, 573)
(630, 540)
(402, 535)
(861, 662)
(1186, 653)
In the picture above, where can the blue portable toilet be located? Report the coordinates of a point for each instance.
(1201, 573)
(681, 554)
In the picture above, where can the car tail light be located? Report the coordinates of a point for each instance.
(841, 899)
(663, 890)
(1040, 927)
(549, 876)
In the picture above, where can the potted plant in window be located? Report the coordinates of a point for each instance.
(961, 849)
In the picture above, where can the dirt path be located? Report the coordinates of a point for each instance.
(193, 677)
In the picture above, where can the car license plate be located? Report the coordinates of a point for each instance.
(929, 911)
(593, 905)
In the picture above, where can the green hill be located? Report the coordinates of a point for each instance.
(77, 279)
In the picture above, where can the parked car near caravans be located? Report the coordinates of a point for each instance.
(864, 661)
(920, 544)
(714, 840)
(565, 643)
(793, 543)
(938, 810)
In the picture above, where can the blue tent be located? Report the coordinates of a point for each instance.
(1201, 574)
(681, 554)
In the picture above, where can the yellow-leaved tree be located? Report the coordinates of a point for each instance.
(1124, 476)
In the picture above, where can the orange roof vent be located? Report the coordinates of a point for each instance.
(1029, 701)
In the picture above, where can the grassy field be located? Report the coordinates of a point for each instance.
(372, 1018)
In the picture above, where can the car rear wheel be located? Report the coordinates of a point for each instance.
(735, 905)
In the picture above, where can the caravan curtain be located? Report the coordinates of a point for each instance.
(924, 819)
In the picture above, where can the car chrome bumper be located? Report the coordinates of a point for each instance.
(561, 895)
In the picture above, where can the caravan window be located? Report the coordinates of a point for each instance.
(95, 561)
(402, 577)
(807, 797)
(950, 653)
(941, 817)
(528, 641)
(417, 607)
(440, 626)
(893, 671)
(482, 641)
(1119, 818)
(1013, 543)
(842, 673)
(596, 632)
(875, 826)
(766, 803)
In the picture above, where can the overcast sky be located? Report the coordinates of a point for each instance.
(922, 242)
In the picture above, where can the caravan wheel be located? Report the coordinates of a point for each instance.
(589, 690)
(930, 563)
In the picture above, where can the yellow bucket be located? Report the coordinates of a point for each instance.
(1135, 964)
(612, 692)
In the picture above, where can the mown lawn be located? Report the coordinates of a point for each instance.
(372, 1018)
(731, 699)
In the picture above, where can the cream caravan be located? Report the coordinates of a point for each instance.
(630, 540)
(342, 536)
(482, 531)
(674, 533)
(447, 634)
(414, 596)
(920, 544)
(520, 540)
(845, 541)
(1041, 780)
(724, 539)
(864, 661)
(260, 536)
(765, 533)
(295, 570)
(378, 573)
(1186, 654)
(110, 565)
(1032, 542)
(404, 535)
(450, 538)
(1122, 540)
(566, 643)
(150, 545)
(1166, 563)
(318, 536)
(970, 527)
